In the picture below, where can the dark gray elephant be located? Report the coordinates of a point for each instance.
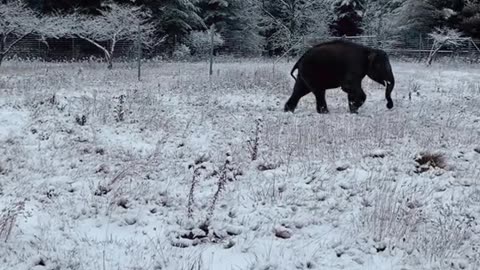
(342, 64)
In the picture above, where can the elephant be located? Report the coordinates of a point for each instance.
(340, 63)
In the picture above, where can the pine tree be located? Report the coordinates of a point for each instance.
(380, 20)
(174, 19)
(49, 6)
(236, 21)
(348, 17)
(37, 5)
(423, 16)
(470, 19)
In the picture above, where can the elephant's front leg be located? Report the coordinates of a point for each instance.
(321, 102)
(356, 100)
(356, 95)
(352, 105)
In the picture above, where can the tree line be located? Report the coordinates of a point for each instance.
(254, 27)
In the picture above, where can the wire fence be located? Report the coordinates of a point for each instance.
(76, 49)
(69, 49)
(418, 47)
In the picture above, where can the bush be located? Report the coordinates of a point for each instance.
(181, 52)
(200, 42)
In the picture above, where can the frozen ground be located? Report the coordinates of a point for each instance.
(163, 177)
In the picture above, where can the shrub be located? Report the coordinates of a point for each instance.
(200, 42)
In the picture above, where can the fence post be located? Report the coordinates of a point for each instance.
(139, 53)
(73, 49)
(174, 43)
(212, 33)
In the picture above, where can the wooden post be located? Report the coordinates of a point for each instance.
(212, 33)
(420, 45)
(73, 48)
(139, 53)
(174, 43)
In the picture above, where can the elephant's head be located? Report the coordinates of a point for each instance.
(380, 70)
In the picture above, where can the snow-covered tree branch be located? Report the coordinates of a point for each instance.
(116, 23)
(293, 22)
(444, 37)
(16, 22)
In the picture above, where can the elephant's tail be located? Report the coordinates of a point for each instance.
(293, 70)
(295, 67)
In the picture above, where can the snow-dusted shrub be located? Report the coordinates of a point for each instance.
(200, 42)
(197, 169)
(254, 141)
(391, 214)
(8, 217)
(441, 239)
(119, 109)
(181, 52)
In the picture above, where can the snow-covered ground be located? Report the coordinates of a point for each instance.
(180, 172)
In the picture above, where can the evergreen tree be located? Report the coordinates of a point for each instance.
(348, 17)
(237, 23)
(174, 19)
(470, 19)
(37, 5)
(49, 6)
(422, 16)
(380, 20)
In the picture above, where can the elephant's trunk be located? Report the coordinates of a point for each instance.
(388, 93)
(390, 84)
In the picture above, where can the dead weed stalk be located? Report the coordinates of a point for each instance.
(254, 141)
(8, 218)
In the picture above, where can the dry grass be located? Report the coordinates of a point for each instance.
(393, 214)
(139, 149)
(8, 218)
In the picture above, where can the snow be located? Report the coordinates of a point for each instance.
(11, 123)
(342, 191)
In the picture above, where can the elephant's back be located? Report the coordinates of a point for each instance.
(337, 51)
(326, 65)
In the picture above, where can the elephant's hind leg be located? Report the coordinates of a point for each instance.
(299, 90)
(321, 102)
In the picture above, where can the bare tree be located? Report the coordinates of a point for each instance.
(116, 23)
(16, 22)
(294, 23)
(445, 37)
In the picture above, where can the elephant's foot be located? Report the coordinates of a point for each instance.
(390, 104)
(322, 110)
(353, 108)
(289, 108)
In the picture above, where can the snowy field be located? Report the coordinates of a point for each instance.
(179, 172)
